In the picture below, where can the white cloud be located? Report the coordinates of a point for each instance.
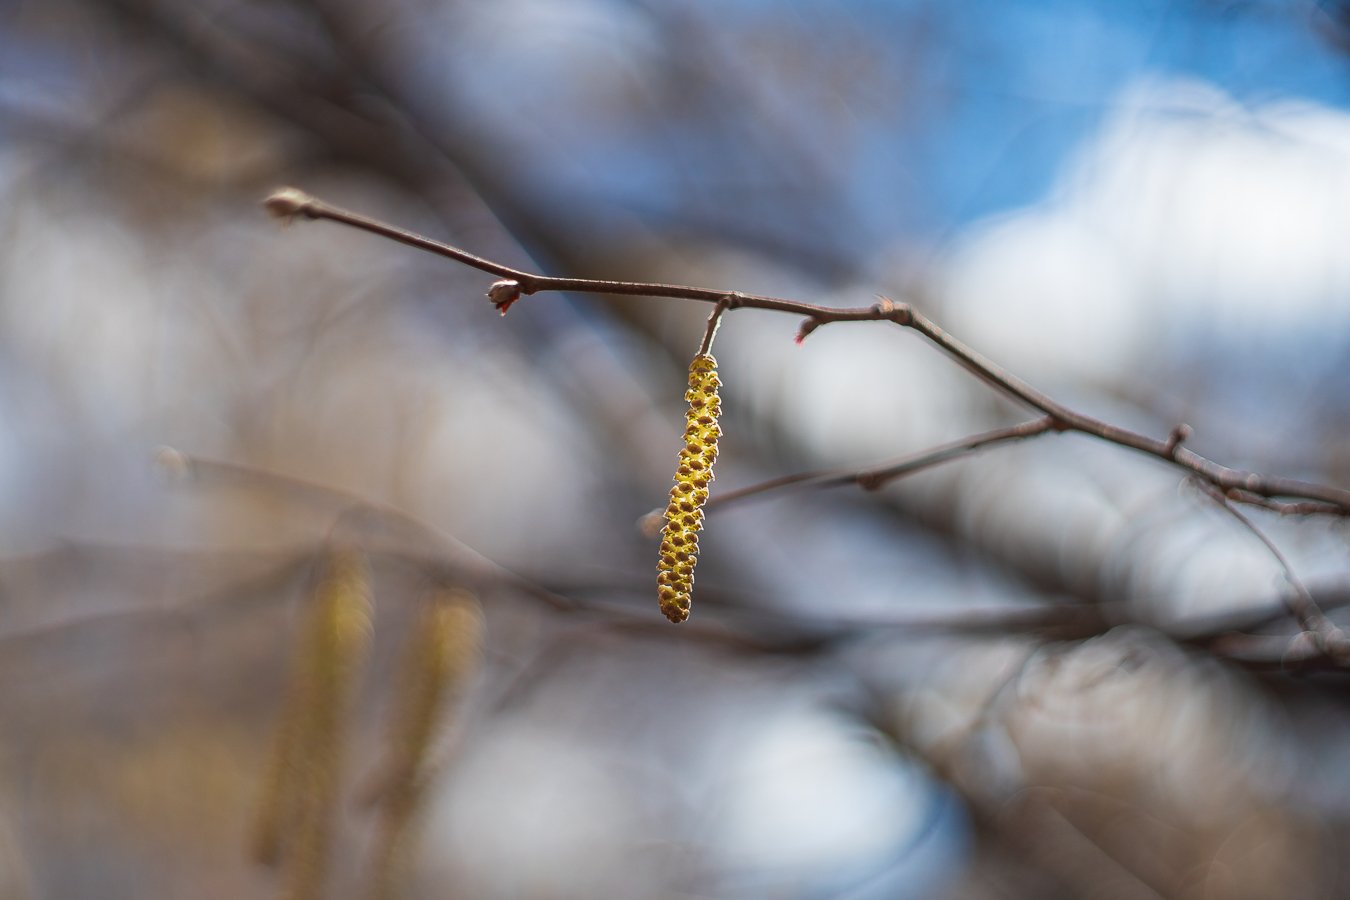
(1189, 212)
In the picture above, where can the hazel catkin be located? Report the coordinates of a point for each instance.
(684, 513)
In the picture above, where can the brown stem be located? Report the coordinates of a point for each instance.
(714, 322)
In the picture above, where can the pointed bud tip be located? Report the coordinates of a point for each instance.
(173, 464)
(287, 203)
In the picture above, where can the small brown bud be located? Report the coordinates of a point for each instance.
(503, 293)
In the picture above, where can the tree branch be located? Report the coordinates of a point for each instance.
(874, 478)
(1236, 484)
(1327, 637)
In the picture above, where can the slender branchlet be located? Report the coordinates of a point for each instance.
(441, 654)
(300, 798)
(287, 203)
(1326, 636)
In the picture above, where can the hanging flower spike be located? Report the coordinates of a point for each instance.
(684, 513)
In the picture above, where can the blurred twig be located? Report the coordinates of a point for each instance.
(1327, 637)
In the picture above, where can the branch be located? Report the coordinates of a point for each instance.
(1327, 637)
(875, 478)
(760, 630)
(714, 323)
(1238, 484)
(468, 563)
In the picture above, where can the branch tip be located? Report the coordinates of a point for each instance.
(287, 203)
(175, 465)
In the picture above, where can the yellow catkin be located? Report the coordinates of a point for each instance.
(300, 801)
(442, 653)
(693, 474)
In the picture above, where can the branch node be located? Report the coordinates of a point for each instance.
(870, 481)
(288, 203)
(503, 293)
(1178, 436)
(1303, 647)
(899, 313)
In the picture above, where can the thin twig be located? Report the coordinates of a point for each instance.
(467, 562)
(1286, 507)
(1328, 638)
(290, 203)
(714, 322)
(874, 478)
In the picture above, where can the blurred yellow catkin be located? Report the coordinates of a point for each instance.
(299, 805)
(442, 653)
(693, 474)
